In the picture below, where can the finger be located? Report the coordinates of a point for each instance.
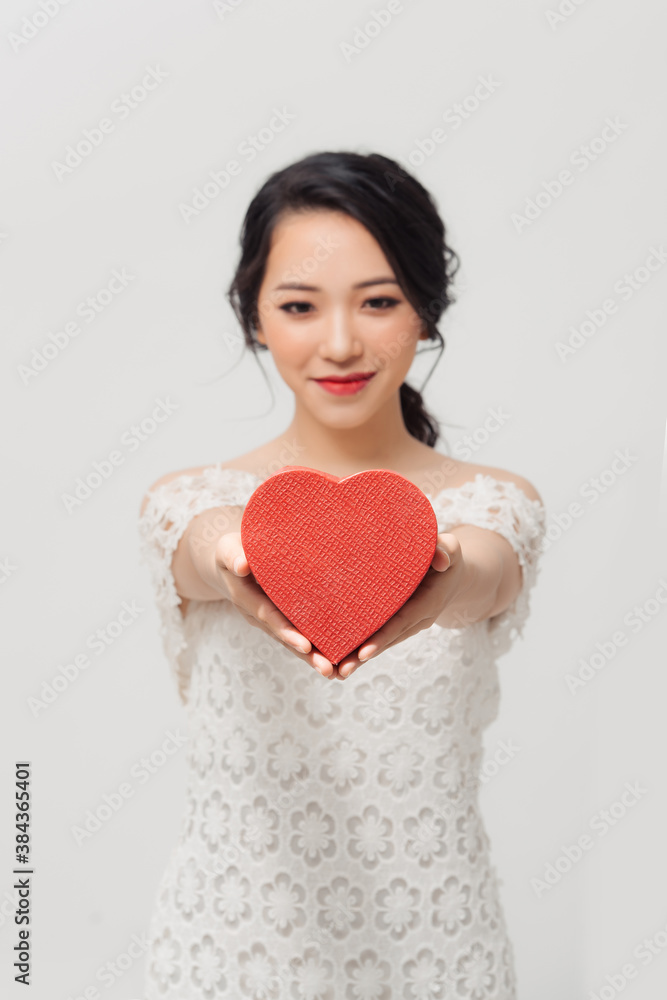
(230, 573)
(229, 554)
(441, 559)
(264, 610)
(346, 669)
(347, 666)
(317, 661)
(393, 631)
(231, 558)
(444, 551)
(249, 597)
(354, 660)
(397, 624)
(418, 627)
(407, 621)
(314, 658)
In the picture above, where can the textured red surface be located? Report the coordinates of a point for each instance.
(338, 556)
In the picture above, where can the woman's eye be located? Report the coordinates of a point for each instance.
(287, 307)
(382, 302)
(384, 298)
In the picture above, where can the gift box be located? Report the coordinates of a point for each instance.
(338, 557)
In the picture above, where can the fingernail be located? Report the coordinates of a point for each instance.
(238, 562)
(367, 653)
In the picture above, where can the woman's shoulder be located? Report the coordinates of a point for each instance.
(469, 472)
(445, 472)
(250, 462)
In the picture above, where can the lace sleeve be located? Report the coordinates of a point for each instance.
(169, 510)
(501, 506)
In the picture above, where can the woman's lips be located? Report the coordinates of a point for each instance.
(344, 388)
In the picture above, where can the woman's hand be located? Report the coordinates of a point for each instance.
(443, 579)
(229, 572)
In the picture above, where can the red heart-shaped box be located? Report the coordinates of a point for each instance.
(337, 556)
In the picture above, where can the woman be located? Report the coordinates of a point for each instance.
(333, 845)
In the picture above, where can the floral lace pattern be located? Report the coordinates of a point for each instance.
(332, 846)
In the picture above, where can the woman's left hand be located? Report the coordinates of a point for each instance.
(440, 584)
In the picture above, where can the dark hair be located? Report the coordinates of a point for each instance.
(393, 206)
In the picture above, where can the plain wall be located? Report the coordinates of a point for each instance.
(553, 81)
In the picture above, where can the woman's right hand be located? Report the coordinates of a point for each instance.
(230, 573)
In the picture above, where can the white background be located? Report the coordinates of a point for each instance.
(171, 335)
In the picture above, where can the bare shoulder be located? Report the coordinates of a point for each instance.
(267, 458)
(503, 475)
(452, 472)
(167, 478)
(253, 461)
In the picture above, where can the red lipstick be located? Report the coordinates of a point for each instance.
(345, 385)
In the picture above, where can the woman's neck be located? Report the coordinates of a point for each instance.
(383, 442)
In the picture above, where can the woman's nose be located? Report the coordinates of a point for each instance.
(340, 339)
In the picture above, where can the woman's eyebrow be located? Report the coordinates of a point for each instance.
(299, 286)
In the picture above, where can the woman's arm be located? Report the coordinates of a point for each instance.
(196, 548)
(208, 564)
(478, 576)
(195, 569)
(493, 573)
(489, 581)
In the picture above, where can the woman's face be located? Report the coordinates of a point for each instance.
(330, 305)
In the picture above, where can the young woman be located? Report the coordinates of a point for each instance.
(333, 847)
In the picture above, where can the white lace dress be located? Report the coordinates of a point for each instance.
(332, 846)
